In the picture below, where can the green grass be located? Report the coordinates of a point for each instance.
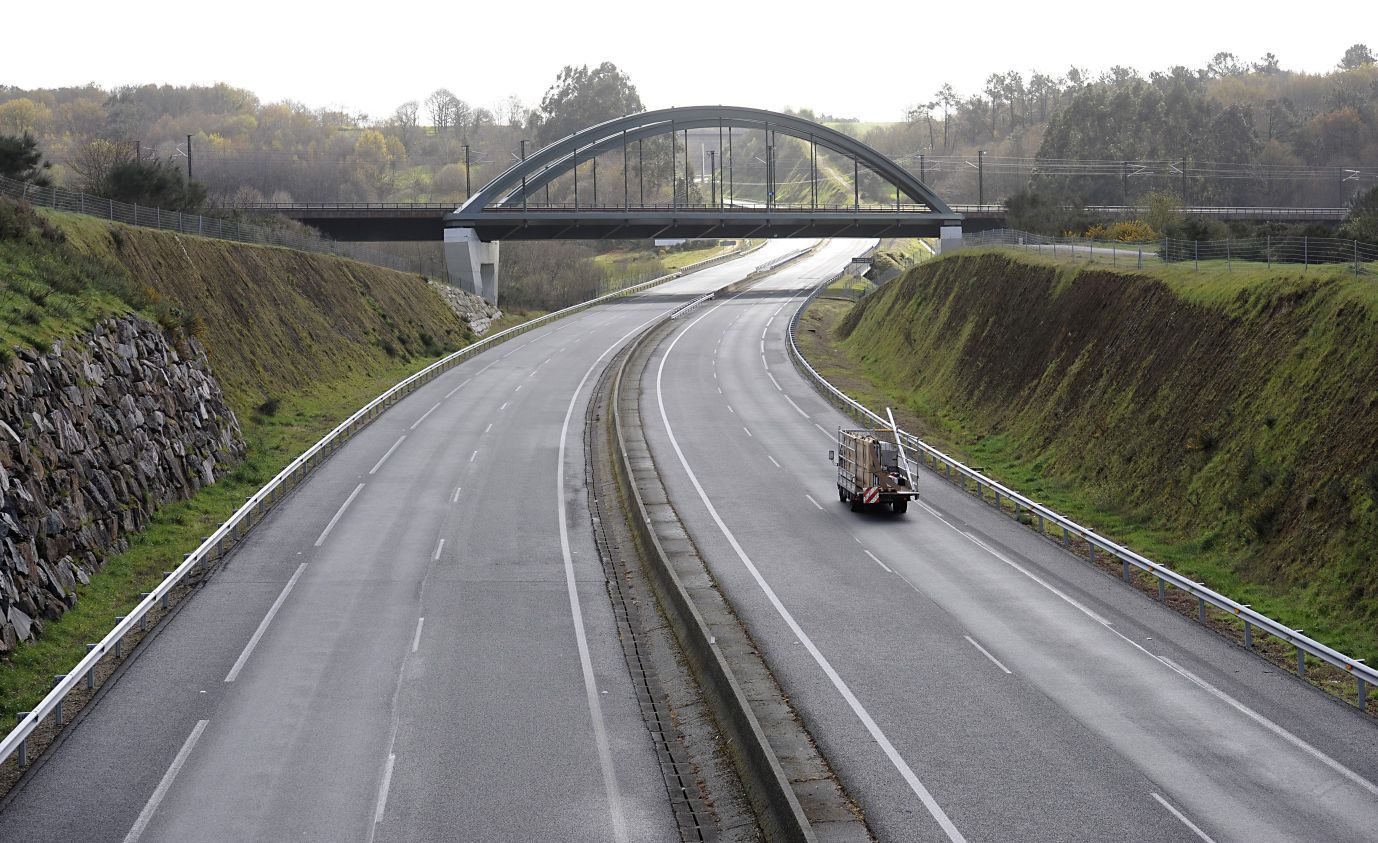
(1233, 413)
(176, 529)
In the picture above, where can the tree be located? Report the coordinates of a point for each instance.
(22, 115)
(441, 106)
(405, 120)
(1357, 56)
(95, 160)
(949, 100)
(1222, 65)
(20, 159)
(581, 98)
(155, 183)
(995, 89)
(1362, 221)
(1267, 65)
(513, 112)
(1164, 210)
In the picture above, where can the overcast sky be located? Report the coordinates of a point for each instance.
(858, 59)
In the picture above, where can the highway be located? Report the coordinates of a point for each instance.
(965, 677)
(417, 644)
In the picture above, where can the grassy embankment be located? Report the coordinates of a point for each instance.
(298, 341)
(1222, 423)
(625, 268)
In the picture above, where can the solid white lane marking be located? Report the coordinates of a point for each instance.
(1183, 817)
(591, 695)
(416, 639)
(383, 789)
(987, 654)
(772, 459)
(774, 381)
(765, 363)
(146, 815)
(458, 388)
(455, 497)
(435, 556)
(875, 559)
(385, 456)
(812, 501)
(748, 432)
(796, 407)
(339, 512)
(934, 809)
(471, 456)
(1267, 724)
(423, 416)
(504, 406)
(263, 625)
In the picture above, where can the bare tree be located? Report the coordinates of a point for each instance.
(441, 106)
(95, 159)
(512, 112)
(405, 120)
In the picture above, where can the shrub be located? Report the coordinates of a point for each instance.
(269, 407)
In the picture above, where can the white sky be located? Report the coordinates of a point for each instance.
(862, 59)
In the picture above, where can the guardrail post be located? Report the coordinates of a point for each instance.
(1248, 635)
(1162, 590)
(57, 711)
(167, 574)
(1141, 257)
(143, 619)
(1124, 569)
(1363, 694)
(1201, 608)
(119, 642)
(1090, 545)
(24, 744)
(1301, 662)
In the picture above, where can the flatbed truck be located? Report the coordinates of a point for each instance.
(872, 472)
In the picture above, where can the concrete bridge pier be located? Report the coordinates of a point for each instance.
(949, 236)
(472, 263)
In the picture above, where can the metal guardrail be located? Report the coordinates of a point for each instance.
(77, 202)
(1241, 212)
(1286, 251)
(783, 259)
(951, 469)
(256, 506)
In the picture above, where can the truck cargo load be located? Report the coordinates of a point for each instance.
(872, 471)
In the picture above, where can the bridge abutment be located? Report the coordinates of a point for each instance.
(471, 263)
(949, 235)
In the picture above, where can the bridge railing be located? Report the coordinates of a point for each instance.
(1230, 254)
(61, 199)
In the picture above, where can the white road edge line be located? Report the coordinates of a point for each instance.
(385, 456)
(416, 639)
(876, 559)
(328, 527)
(934, 809)
(383, 787)
(423, 416)
(774, 381)
(987, 654)
(812, 501)
(794, 405)
(600, 733)
(439, 547)
(263, 625)
(146, 815)
(1183, 817)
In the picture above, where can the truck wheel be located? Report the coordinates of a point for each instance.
(856, 503)
(900, 507)
(841, 494)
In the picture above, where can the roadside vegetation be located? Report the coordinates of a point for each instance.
(1220, 423)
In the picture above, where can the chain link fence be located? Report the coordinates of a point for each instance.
(72, 201)
(1230, 254)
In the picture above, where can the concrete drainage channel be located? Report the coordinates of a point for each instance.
(793, 793)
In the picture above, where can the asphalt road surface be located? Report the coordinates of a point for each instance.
(966, 678)
(416, 645)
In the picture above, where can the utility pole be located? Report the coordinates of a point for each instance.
(980, 177)
(922, 177)
(467, 190)
(1124, 182)
(1184, 181)
(188, 159)
(713, 175)
(524, 174)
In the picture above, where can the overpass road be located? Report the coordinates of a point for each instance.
(966, 679)
(418, 644)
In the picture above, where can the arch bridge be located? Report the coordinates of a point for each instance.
(517, 205)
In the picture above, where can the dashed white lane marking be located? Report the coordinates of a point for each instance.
(518, 389)
(472, 456)
(383, 789)
(876, 560)
(416, 639)
(488, 428)
(748, 431)
(339, 512)
(823, 429)
(455, 497)
(504, 406)
(439, 547)
(385, 456)
(146, 815)
(987, 654)
(772, 459)
(263, 625)
(796, 407)
(934, 809)
(774, 381)
(812, 501)
(765, 363)
(1183, 817)
(433, 408)
(720, 390)
(458, 388)
(730, 410)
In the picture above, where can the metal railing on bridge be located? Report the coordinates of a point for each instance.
(61, 199)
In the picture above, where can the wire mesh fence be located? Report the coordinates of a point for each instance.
(73, 201)
(1229, 254)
